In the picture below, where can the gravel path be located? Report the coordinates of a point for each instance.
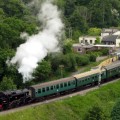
(101, 58)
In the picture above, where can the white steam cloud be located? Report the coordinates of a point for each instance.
(38, 46)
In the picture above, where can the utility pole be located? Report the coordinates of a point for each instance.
(61, 70)
(70, 32)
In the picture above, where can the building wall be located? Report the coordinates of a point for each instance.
(117, 42)
(89, 40)
(79, 50)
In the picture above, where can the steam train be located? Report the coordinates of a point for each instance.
(11, 99)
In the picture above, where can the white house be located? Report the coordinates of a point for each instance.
(87, 40)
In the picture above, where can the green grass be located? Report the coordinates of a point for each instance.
(74, 108)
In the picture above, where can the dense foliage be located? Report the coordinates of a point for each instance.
(80, 15)
(14, 19)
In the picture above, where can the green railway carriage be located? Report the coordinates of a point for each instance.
(113, 69)
(90, 77)
(52, 87)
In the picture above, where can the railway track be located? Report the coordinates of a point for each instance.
(58, 97)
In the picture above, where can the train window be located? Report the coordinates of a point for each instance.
(47, 88)
(68, 83)
(57, 86)
(61, 85)
(73, 82)
(65, 84)
(43, 89)
(39, 90)
(51, 87)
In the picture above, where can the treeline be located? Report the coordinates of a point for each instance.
(80, 15)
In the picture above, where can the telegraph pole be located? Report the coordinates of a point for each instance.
(61, 70)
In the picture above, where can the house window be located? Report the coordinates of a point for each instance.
(79, 49)
(85, 41)
(90, 41)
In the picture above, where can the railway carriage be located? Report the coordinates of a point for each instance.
(113, 70)
(90, 77)
(52, 87)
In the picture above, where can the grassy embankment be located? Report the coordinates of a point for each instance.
(73, 108)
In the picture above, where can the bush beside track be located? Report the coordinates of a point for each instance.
(74, 108)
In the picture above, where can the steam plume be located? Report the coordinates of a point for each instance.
(38, 46)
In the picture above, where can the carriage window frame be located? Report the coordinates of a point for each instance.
(69, 83)
(47, 88)
(51, 87)
(43, 89)
(57, 86)
(39, 90)
(61, 85)
(65, 84)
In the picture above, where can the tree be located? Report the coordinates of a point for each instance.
(94, 31)
(98, 41)
(76, 35)
(7, 84)
(95, 113)
(69, 62)
(77, 21)
(67, 47)
(101, 14)
(56, 60)
(93, 57)
(115, 114)
(13, 8)
(105, 51)
(43, 71)
(82, 59)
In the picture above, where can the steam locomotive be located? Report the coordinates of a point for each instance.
(11, 99)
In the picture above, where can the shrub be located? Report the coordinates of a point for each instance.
(105, 51)
(93, 57)
(115, 114)
(82, 60)
(95, 113)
